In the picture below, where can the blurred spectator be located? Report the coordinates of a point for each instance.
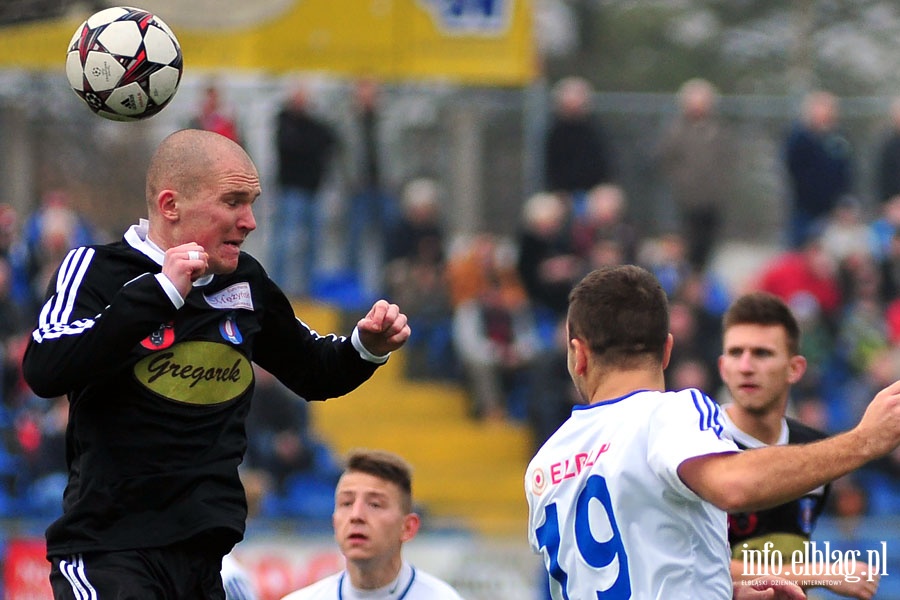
(889, 267)
(888, 158)
(883, 228)
(471, 266)
(419, 232)
(305, 147)
(697, 155)
(696, 352)
(13, 327)
(605, 219)
(278, 431)
(496, 339)
(551, 393)
(880, 479)
(818, 158)
(688, 373)
(576, 153)
(548, 264)
(416, 278)
(212, 115)
(845, 233)
(9, 228)
(702, 292)
(371, 208)
(47, 235)
(807, 271)
(862, 332)
(42, 441)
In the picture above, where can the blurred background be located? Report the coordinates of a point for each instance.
(470, 160)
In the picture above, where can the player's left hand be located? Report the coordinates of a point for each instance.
(384, 329)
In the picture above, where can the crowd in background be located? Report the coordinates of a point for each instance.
(488, 311)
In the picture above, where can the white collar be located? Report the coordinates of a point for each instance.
(744, 438)
(393, 591)
(136, 237)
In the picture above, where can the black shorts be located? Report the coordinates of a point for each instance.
(180, 572)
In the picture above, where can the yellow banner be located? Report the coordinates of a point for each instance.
(484, 42)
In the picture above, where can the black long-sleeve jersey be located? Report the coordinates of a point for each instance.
(158, 394)
(787, 525)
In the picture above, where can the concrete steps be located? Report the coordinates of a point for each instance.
(468, 473)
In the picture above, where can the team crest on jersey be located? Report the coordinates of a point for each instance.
(538, 482)
(196, 372)
(160, 339)
(743, 523)
(233, 297)
(229, 329)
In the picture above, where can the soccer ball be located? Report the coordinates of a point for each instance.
(125, 63)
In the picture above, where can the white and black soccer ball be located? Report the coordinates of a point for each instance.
(125, 63)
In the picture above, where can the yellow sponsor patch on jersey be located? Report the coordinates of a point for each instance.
(196, 372)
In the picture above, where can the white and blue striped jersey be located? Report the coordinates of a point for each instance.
(411, 584)
(236, 580)
(608, 511)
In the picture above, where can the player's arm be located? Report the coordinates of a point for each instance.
(317, 366)
(87, 327)
(766, 477)
(862, 588)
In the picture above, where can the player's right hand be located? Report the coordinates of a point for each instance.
(185, 264)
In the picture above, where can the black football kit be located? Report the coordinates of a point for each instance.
(787, 525)
(158, 392)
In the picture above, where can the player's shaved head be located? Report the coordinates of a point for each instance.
(186, 159)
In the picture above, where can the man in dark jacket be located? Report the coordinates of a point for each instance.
(305, 148)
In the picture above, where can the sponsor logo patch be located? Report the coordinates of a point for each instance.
(233, 297)
(538, 482)
(196, 372)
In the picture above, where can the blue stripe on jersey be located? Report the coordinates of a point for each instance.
(709, 412)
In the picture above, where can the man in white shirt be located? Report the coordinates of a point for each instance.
(628, 498)
(373, 517)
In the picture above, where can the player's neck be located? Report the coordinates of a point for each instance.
(373, 574)
(765, 427)
(623, 382)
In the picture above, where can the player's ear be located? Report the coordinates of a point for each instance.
(797, 368)
(667, 350)
(411, 523)
(580, 355)
(167, 205)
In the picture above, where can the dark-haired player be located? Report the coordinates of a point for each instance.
(760, 362)
(629, 497)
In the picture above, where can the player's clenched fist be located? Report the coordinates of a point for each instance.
(185, 264)
(879, 427)
(384, 329)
